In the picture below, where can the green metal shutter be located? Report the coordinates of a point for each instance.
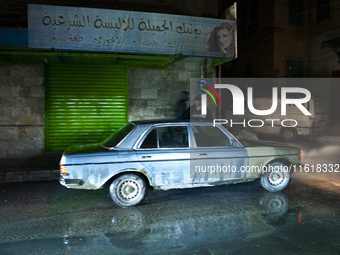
(85, 103)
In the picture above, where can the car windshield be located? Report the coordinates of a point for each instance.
(119, 135)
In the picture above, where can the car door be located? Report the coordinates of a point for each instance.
(216, 155)
(164, 153)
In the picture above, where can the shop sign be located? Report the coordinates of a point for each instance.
(73, 28)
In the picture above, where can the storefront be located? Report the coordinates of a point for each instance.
(92, 84)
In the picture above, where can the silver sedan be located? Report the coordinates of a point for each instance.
(174, 154)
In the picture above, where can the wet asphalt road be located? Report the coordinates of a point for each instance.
(47, 218)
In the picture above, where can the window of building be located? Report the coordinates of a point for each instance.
(295, 12)
(294, 68)
(322, 10)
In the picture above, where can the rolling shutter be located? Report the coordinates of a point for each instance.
(85, 103)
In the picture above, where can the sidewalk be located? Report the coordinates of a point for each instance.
(41, 168)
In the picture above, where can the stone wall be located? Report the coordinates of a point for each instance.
(153, 92)
(22, 110)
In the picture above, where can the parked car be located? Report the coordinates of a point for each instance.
(174, 154)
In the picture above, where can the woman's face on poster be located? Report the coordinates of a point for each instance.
(224, 38)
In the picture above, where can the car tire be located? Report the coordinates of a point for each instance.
(289, 134)
(276, 177)
(128, 190)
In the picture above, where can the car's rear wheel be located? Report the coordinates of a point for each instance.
(128, 190)
(289, 134)
(276, 177)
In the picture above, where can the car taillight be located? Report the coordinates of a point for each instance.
(312, 122)
(300, 155)
(63, 170)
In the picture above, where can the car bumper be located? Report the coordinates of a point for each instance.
(71, 183)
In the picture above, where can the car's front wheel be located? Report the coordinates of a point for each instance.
(128, 190)
(276, 177)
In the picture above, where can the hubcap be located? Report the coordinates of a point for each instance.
(275, 178)
(128, 190)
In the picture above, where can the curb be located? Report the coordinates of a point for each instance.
(29, 176)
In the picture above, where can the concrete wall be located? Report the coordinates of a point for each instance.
(22, 110)
(153, 92)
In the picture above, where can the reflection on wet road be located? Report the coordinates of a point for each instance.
(45, 218)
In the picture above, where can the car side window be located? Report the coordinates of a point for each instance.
(167, 137)
(209, 136)
(151, 140)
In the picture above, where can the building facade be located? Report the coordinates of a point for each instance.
(290, 38)
(51, 99)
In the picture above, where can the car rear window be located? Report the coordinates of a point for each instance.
(119, 135)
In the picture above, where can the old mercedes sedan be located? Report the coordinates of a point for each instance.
(170, 154)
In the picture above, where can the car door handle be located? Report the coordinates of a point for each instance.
(145, 157)
(203, 154)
